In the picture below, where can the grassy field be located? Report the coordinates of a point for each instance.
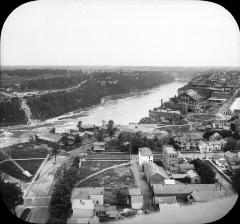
(112, 180)
(90, 167)
(30, 165)
(117, 156)
(24, 151)
(119, 177)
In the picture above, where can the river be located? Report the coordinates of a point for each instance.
(122, 109)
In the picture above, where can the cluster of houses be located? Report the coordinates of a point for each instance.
(71, 137)
(206, 94)
(167, 182)
(194, 141)
(88, 205)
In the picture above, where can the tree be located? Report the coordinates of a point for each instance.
(100, 137)
(205, 171)
(230, 145)
(53, 130)
(79, 125)
(78, 140)
(236, 180)
(110, 127)
(12, 195)
(121, 197)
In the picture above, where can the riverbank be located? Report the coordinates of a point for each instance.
(89, 93)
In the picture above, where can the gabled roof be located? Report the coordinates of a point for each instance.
(193, 94)
(230, 154)
(137, 199)
(151, 169)
(165, 199)
(186, 166)
(134, 191)
(145, 151)
(84, 192)
(160, 189)
(50, 137)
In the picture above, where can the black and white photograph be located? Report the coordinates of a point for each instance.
(116, 111)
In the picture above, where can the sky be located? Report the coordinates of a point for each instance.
(133, 33)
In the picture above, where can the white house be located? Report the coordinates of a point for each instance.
(99, 146)
(136, 198)
(91, 193)
(144, 154)
(215, 146)
(82, 208)
(203, 146)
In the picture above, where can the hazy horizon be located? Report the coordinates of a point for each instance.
(120, 33)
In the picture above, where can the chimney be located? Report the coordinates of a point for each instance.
(161, 102)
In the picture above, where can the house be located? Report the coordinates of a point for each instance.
(136, 198)
(193, 175)
(215, 145)
(203, 146)
(137, 202)
(96, 194)
(170, 158)
(215, 137)
(99, 146)
(86, 135)
(52, 140)
(144, 155)
(154, 173)
(190, 97)
(106, 210)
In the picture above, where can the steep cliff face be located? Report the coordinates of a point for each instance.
(52, 104)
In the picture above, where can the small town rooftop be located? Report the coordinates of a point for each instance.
(145, 151)
(169, 149)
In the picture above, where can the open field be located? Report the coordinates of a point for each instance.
(112, 180)
(24, 151)
(113, 156)
(90, 167)
(30, 165)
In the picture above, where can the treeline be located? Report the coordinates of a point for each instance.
(10, 112)
(205, 171)
(60, 206)
(53, 83)
(56, 104)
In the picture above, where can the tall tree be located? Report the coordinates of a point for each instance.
(236, 180)
(12, 195)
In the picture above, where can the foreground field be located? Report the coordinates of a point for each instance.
(90, 167)
(30, 165)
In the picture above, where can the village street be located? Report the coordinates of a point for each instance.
(140, 182)
(39, 194)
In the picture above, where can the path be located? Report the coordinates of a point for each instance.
(101, 171)
(38, 194)
(140, 182)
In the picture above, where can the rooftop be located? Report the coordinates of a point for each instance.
(204, 196)
(151, 169)
(169, 149)
(82, 204)
(181, 188)
(145, 151)
(84, 192)
(137, 199)
(134, 191)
